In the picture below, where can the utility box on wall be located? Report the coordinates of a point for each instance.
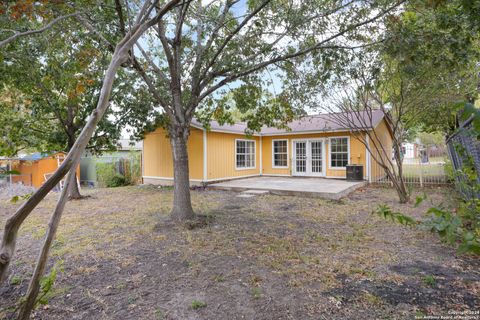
(354, 172)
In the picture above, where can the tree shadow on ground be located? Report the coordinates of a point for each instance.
(447, 287)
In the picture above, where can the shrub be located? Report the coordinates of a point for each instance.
(117, 181)
(108, 177)
(120, 172)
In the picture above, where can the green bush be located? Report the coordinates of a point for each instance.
(117, 181)
(108, 177)
(109, 174)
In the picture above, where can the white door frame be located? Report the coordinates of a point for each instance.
(294, 157)
(308, 146)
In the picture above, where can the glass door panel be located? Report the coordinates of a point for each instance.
(300, 148)
(316, 157)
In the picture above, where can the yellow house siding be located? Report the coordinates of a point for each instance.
(221, 151)
(158, 155)
(195, 154)
(221, 156)
(381, 145)
(357, 152)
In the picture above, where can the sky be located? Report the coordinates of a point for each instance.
(239, 10)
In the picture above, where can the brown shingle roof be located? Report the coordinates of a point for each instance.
(313, 123)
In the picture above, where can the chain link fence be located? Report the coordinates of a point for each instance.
(464, 150)
(15, 185)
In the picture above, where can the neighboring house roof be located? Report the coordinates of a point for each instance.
(313, 123)
(36, 156)
(126, 144)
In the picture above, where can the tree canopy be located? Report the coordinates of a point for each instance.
(51, 84)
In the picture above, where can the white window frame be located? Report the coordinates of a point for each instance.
(273, 155)
(254, 154)
(330, 152)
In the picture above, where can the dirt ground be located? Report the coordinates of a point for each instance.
(266, 257)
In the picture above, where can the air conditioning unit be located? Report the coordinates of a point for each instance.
(354, 172)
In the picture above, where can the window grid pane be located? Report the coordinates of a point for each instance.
(245, 154)
(338, 152)
(316, 149)
(301, 157)
(280, 155)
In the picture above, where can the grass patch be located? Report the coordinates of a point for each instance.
(256, 293)
(197, 304)
(15, 280)
(159, 314)
(429, 280)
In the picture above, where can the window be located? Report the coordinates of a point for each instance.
(280, 153)
(339, 154)
(245, 154)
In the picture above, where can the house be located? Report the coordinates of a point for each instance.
(410, 150)
(126, 152)
(316, 146)
(34, 169)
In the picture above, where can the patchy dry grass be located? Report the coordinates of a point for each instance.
(267, 257)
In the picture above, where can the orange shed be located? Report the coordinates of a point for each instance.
(37, 167)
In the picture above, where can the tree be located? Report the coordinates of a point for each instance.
(358, 100)
(431, 138)
(25, 10)
(144, 19)
(18, 130)
(205, 47)
(415, 70)
(58, 85)
(436, 43)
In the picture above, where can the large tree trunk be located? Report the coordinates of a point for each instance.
(75, 190)
(182, 205)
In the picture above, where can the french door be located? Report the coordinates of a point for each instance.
(308, 157)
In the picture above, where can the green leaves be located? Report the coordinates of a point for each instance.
(47, 283)
(51, 83)
(420, 199)
(469, 110)
(443, 222)
(17, 198)
(436, 51)
(457, 229)
(386, 212)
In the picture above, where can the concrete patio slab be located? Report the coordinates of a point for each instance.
(256, 191)
(295, 186)
(243, 195)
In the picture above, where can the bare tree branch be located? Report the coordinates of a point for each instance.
(318, 46)
(37, 31)
(231, 35)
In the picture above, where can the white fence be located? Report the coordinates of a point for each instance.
(11, 179)
(416, 172)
